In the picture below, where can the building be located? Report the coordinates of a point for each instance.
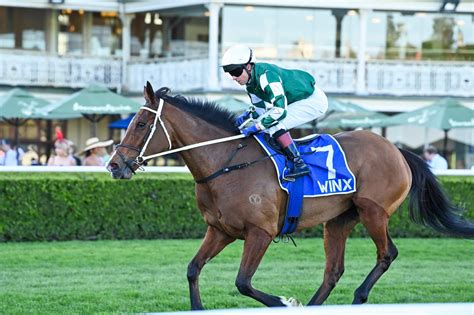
(390, 55)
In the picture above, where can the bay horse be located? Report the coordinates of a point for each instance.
(248, 203)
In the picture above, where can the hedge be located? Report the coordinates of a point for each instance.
(90, 206)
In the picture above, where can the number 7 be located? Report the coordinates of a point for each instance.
(329, 161)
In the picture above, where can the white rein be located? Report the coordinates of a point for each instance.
(142, 158)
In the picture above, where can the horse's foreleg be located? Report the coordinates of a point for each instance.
(336, 232)
(214, 241)
(255, 246)
(375, 219)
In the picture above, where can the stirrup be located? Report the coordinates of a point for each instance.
(286, 178)
(299, 173)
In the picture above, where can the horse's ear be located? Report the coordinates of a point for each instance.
(149, 93)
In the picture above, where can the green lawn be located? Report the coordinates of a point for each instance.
(150, 276)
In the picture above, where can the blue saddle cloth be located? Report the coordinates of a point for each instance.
(330, 174)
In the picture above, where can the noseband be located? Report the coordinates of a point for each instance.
(139, 160)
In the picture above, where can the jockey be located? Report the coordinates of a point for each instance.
(282, 99)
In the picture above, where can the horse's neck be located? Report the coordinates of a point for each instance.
(204, 160)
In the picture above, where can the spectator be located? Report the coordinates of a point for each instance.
(73, 151)
(62, 156)
(12, 156)
(95, 151)
(31, 156)
(62, 150)
(434, 160)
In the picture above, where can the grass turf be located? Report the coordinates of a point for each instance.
(150, 276)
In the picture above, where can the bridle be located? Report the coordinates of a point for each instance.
(140, 159)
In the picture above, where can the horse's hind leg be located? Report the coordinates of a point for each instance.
(255, 246)
(214, 241)
(336, 232)
(375, 219)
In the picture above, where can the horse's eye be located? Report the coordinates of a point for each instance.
(141, 125)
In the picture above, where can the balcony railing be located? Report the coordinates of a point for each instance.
(177, 74)
(424, 78)
(420, 78)
(74, 72)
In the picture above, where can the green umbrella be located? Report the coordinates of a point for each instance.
(335, 105)
(94, 102)
(444, 114)
(17, 106)
(233, 104)
(350, 120)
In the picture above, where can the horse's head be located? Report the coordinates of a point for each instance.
(145, 135)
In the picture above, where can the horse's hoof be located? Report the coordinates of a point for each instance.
(290, 302)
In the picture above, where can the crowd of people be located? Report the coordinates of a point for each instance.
(94, 154)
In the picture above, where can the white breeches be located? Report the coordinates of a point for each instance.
(303, 111)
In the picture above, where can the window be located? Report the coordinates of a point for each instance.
(70, 38)
(284, 33)
(23, 28)
(106, 38)
(420, 36)
(171, 33)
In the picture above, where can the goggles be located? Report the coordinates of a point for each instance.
(234, 70)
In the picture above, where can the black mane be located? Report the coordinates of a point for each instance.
(204, 109)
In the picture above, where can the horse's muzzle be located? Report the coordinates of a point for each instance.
(118, 172)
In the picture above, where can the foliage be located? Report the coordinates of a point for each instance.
(89, 206)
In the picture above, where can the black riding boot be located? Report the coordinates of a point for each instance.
(291, 151)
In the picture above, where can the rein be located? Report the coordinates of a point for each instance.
(141, 158)
(193, 146)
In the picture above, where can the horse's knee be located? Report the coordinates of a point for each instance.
(333, 275)
(243, 285)
(393, 251)
(193, 272)
(387, 260)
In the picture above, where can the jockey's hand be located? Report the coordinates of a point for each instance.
(250, 130)
(241, 118)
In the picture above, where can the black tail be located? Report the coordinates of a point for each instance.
(429, 204)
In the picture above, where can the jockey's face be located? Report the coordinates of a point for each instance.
(244, 77)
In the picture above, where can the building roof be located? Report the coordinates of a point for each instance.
(133, 6)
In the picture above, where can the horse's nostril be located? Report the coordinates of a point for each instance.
(113, 166)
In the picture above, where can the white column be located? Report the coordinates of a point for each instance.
(87, 34)
(361, 62)
(52, 30)
(126, 42)
(213, 66)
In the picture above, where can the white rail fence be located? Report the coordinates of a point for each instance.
(368, 309)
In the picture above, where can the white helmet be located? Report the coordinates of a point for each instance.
(237, 55)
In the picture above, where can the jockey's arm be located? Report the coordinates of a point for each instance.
(276, 110)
